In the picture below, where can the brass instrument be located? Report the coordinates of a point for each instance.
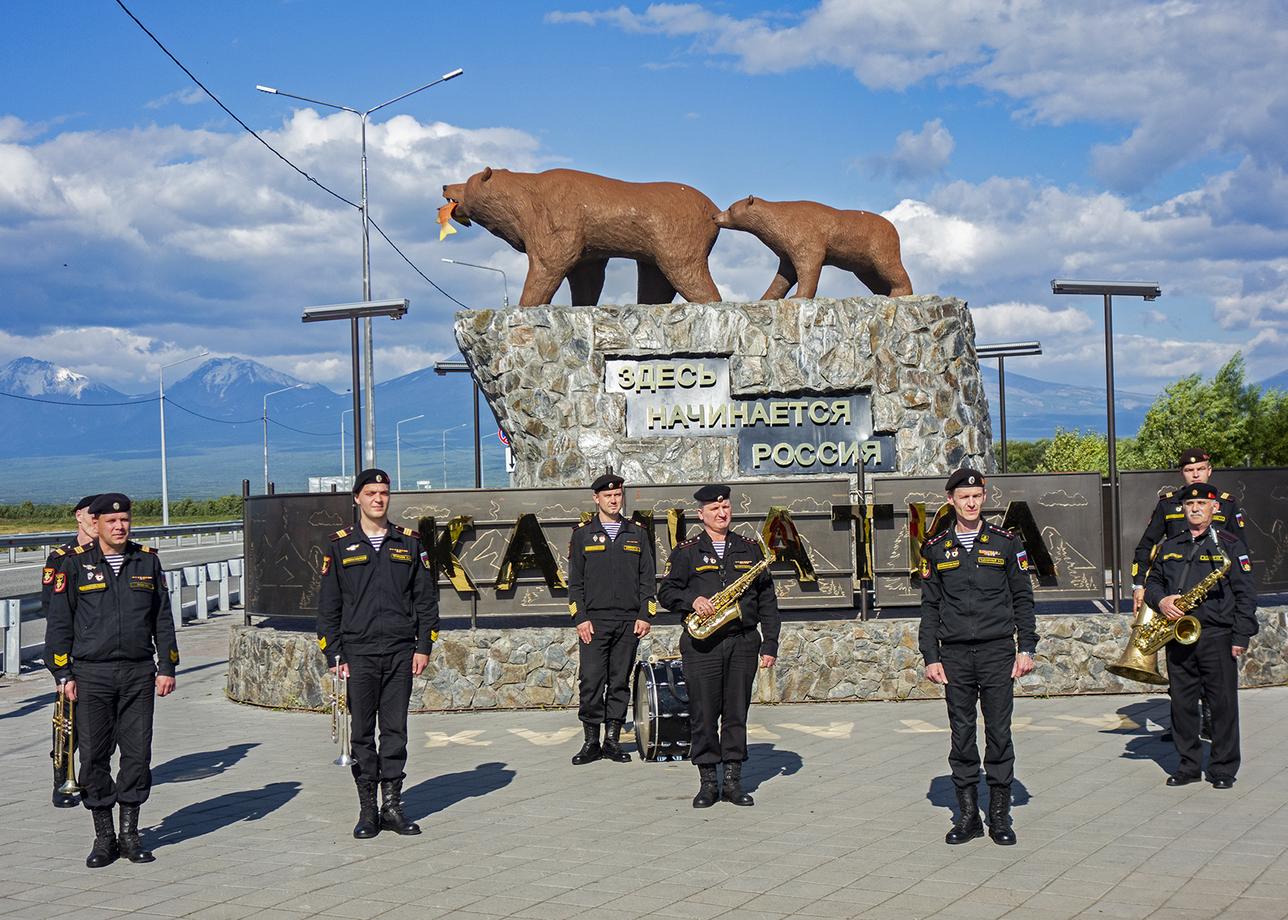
(65, 739)
(725, 603)
(339, 702)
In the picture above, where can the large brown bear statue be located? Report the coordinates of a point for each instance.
(571, 223)
(806, 235)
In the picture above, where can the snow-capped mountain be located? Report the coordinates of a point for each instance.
(236, 387)
(32, 377)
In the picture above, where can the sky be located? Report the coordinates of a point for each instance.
(1009, 142)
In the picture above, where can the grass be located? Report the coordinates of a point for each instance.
(64, 524)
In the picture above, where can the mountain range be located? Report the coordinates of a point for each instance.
(71, 435)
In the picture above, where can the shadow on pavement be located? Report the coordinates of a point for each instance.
(442, 792)
(203, 818)
(943, 794)
(764, 761)
(200, 765)
(1144, 744)
(30, 705)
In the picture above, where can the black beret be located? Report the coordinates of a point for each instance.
(109, 503)
(1198, 490)
(607, 481)
(84, 503)
(1192, 455)
(711, 493)
(965, 477)
(367, 477)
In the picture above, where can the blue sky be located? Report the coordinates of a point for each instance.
(1010, 143)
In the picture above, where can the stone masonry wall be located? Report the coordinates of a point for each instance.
(818, 661)
(542, 370)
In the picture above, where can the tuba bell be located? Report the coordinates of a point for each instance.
(1134, 663)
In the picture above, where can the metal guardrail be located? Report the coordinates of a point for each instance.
(43, 540)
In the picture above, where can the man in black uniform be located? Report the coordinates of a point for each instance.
(1227, 614)
(86, 532)
(720, 669)
(1167, 521)
(110, 635)
(377, 622)
(611, 597)
(976, 601)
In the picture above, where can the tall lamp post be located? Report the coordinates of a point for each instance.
(445, 430)
(398, 444)
(1149, 290)
(368, 377)
(505, 282)
(342, 415)
(266, 395)
(442, 369)
(394, 309)
(1001, 351)
(165, 479)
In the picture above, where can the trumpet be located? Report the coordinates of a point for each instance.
(65, 739)
(339, 702)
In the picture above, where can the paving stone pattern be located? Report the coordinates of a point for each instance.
(249, 818)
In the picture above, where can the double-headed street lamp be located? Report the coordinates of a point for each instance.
(505, 282)
(445, 430)
(165, 479)
(368, 380)
(398, 443)
(1001, 351)
(1150, 291)
(266, 395)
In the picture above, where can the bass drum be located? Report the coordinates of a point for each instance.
(661, 710)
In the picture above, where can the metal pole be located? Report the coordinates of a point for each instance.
(357, 396)
(368, 376)
(1114, 523)
(165, 484)
(1001, 404)
(444, 458)
(398, 453)
(478, 443)
(265, 442)
(342, 443)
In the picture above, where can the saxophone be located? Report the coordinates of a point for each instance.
(1158, 631)
(725, 603)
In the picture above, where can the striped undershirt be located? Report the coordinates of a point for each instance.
(377, 541)
(115, 560)
(612, 528)
(719, 546)
(967, 538)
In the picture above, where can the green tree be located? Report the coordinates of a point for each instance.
(1023, 456)
(1071, 452)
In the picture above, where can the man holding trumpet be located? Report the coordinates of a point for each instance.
(377, 622)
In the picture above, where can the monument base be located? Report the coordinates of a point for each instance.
(836, 661)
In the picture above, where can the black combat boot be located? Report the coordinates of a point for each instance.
(732, 789)
(706, 796)
(968, 826)
(130, 843)
(391, 812)
(105, 851)
(368, 817)
(612, 749)
(590, 750)
(1205, 721)
(999, 816)
(63, 799)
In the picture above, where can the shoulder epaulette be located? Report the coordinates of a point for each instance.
(936, 538)
(1227, 536)
(341, 533)
(689, 542)
(1226, 496)
(83, 548)
(583, 523)
(60, 551)
(1166, 494)
(1004, 532)
(145, 549)
(406, 531)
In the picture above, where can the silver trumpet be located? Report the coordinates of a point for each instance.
(339, 700)
(65, 739)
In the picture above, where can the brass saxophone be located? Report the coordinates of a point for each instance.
(725, 603)
(1158, 631)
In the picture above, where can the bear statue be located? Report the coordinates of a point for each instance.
(806, 235)
(571, 223)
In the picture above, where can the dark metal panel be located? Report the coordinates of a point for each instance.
(1065, 506)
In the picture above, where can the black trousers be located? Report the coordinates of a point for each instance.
(980, 674)
(1205, 669)
(605, 683)
(719, 672)
(114, 703)
(379, 686)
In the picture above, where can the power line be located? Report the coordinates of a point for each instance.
(209, 418)
(142, 400)
(314, 434)
(413, 264)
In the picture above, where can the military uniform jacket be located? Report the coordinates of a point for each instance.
(1183, 561)
(694, 570)
(96, 616)
(1168, 520)
(376, 602)
(610, 579)
(975, 595)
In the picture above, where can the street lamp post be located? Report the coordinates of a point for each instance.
(1149, 290)
(368, 375)
(445, 430)
(398, 444)
(342, 415)
(442, 369)
(266, 395)
(165, 478)
(1001, 352)
(505, 282)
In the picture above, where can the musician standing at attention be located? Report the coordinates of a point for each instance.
(377, 622)
(976, 601)
(611, 598)
(720, 669)
(1227, 614)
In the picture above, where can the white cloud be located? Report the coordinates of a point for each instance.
(916, 154)
(189, 96)
(1008, 322)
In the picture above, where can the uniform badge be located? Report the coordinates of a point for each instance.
(60, 583)
(1238, 518)
(174, 656)
(424, 559)
(47, 576)
(326, 564)
(1022, 559)
(1245, 564)
(925, 567)
(351, 547)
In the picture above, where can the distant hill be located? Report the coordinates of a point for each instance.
(1278, 382)
(1035, 408)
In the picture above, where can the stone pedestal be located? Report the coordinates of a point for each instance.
(542, 371)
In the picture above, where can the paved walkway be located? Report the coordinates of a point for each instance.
(249, 818)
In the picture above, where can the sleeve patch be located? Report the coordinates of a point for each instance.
(322, 643)
(326, 564)
(433, 635)
(572, 608)
(925, 567)
(60, 661)
(1022, 558)
(60, 582)
(174, 656)
(1245, 563)
(47, 576)
(652, 607)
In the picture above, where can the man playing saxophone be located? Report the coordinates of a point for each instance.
(1227, 613)
(721, 668)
